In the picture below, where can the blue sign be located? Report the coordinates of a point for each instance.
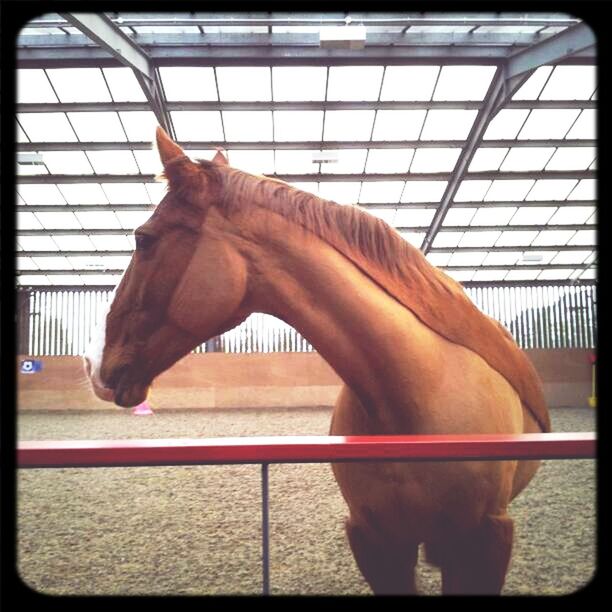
(30, 366)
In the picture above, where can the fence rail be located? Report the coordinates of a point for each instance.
(303, 449)
(55, 321)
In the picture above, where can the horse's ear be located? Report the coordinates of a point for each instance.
(220, 157)
(167, 148)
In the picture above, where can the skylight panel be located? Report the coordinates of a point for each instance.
(435, 160)
(156, 191)
(291, 29)
(251, 126)
(83, 193)
(423, 191)
(524, 274)
(148, 162)
(298, 125)
(126, 193)
(585, 190)
(350, 161)
(342, 192)
(516, 238)
(33, 86)
(385, 214)
(584, 238)
(489, 275)
(536, 215)
(97, 127)
(101, 279)
(548, 123)
(40, 194)
(188, 83)
(167, 29)
(354, 82)
(294, 162)
(531, 89)
(139, 126)
(307, 186)
(254, 162)
(553, 237)
(458, 216)
(123, 85)
(98, 220)
(28, 221)
(111, 242)
(584, 127)
(471, 258)
(397, 124)
(508, 29)
(570, 83)
(409, 82)
(413, 217)
(21, 135)
(461, 276)
(131, 219)
(493, 216)
(113, 162)
(479, 239)
(26, 263)
(555, 274)
(348, 124)
(84, 262)
(36, 243)
(543, 257)
(463, 82)
(551, 189)
(72, 242)
(389, 160)
(244, 83)
(571, 215)
(442, 29)
(31, 169)
(571, 257)
(445, 124)
(447, 239)
(46, 127)
(472, 191)
(487, 159)
(508, 190)
(197, 125)
(414, 238)
(502, 258)
(506, 124)
(527, 158)
(79, 84)
(572, 158)
(52, 263)
(438, 259)
(381, 191)
(58, 220)
(299, 83)
(67, 162)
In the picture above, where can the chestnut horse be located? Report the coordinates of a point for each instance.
(415, 354)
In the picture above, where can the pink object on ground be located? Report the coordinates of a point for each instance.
(142, 409)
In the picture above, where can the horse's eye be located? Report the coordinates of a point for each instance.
(143, 241)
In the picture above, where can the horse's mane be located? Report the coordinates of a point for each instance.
(399, 268)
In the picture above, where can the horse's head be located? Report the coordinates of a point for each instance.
(184, 284)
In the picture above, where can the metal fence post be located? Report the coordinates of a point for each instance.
(265, 549)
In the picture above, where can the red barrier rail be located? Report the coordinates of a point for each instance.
(303, 449)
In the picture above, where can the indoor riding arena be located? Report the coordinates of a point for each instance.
(471, 136)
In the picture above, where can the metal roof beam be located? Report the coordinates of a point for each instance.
(45, 179)
(450, 228)
(493, 249)
(75, 107)
(314, 145)
(33, 208)
(101, 30)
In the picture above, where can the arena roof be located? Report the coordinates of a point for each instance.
(473, 134)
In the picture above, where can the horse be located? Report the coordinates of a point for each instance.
(416, 356)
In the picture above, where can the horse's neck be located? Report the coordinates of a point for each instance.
(374, 343)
